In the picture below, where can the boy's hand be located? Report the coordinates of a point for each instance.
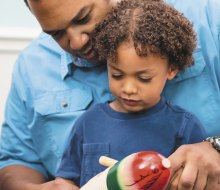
(195, 166)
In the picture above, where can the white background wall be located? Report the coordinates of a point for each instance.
(17, 28)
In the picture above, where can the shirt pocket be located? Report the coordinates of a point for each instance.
(193, 71)
(56, 113)
(90, 165)
(64, 101)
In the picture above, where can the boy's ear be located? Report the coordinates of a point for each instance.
(172, 73)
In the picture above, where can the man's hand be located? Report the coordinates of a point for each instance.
(57, 184)
(195, 166)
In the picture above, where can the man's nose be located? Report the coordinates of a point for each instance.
(77, 39)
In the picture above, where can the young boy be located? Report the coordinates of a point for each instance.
(146, 43)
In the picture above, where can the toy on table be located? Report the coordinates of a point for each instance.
(146, 170)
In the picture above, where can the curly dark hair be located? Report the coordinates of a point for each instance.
(152, 26)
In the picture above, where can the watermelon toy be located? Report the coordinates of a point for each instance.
(140, 171)
(146, 170)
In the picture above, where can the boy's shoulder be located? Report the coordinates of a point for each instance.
(94, 110)
(176, 109)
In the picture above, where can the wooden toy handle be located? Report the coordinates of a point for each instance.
(106, 161)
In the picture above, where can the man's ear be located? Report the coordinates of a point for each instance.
(172, 73)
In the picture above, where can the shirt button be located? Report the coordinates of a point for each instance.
(64, 104)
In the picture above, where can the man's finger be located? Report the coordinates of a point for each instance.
(201, 180)
(188, 178)
(177, 160)
(174, 181)
(213, 182)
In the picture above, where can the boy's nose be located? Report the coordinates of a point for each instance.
(129, 88)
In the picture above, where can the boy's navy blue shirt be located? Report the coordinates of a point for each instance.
(103, 131)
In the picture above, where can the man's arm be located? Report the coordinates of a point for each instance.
(195, 166)
(16, 142)
(19, 177)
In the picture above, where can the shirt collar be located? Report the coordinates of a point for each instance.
(67, 59)
(66, 62)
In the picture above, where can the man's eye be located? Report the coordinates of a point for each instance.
(144, 79)
(83, 20)
(57, 34)
(117, 76)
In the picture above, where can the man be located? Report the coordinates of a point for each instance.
(51, 88)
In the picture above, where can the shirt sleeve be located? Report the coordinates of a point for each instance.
(218, 24)
(16, 146)
(213, 16)
(70, 166)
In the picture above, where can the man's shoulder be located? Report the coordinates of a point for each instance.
(39, 55)
(43, 44)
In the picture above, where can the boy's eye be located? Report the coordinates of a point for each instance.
(117, 76)
(145, 79)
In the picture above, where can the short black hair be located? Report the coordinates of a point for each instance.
(152, 26)
(26, 3)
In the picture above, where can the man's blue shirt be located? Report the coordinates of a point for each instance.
(197, 89)
(48, 92)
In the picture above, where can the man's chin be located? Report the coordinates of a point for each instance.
(98, 62)
(95, 61)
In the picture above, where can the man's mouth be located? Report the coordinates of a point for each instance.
(88, 55)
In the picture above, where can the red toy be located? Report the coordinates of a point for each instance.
(140, 171)
(145, 170)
